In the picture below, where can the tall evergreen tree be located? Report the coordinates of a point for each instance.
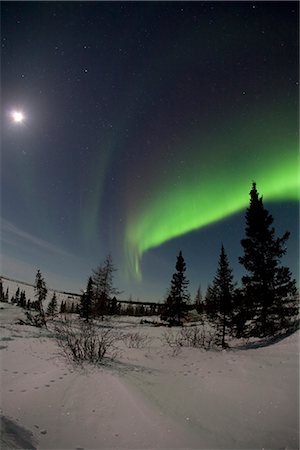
(199, 301)
(40, 290)
(17, 296)
(104, 288)
(2, 296)
(175, 305)
(62, 308)
(23, 301)
(86, 301)
(221, 295)
(269, 289)
(52, 307)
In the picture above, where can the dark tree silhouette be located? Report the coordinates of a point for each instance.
(270, 292)
(63, 307)
(40, 290)
(86, 301)
(199, 304)
(175, 304)
(52, 307)
(113, 306)
(2, 296)
(22, 301)
(17, 296)
(221, 295)
(104, 288)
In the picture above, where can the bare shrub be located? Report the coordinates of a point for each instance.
(136, 340)
(84, 342)
(174, 340)
(197, 337)
(35, 320)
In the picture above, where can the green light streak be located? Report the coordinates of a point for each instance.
(212, 189)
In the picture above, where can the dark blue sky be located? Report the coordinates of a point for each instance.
(144, 127)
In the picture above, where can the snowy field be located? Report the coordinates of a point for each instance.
(146, 398)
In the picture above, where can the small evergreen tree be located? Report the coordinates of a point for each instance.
(62, 308)
(86, 301)
(17, 297)
(2, 296)
(22, 301)
(40, 291)
(175, 304)
(6, 295)
(52, 307)
(199, 301)
(113, 306)
(103, 286)
(271, 299)
(221, 295)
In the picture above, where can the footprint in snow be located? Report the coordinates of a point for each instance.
(43, 431)
(47, 385)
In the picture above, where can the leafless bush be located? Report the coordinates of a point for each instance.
(174, 340)
(136, 340)
(35, 320)
(198, 337)
(84, 342)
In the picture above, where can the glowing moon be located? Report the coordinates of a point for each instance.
(17, 116)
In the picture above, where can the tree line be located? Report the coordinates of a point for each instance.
(266, 302)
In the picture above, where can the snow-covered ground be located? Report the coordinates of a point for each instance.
(146, 398)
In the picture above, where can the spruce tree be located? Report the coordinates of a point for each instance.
(199, 301)
(175, 305)
(22, 301)
(221, 296)
(269, 289)
(2, 296)
(104, 288)
(17, 297)
(86, 301)
(40, 291)
(52, 307)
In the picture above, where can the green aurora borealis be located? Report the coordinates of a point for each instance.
(216, 182)
(146, 124)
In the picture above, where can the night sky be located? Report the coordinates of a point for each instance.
(144, 125)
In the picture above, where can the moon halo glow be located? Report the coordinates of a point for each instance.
(17, 116)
